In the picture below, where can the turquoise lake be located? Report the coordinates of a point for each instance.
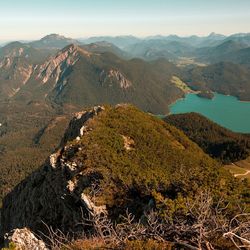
(227, 111)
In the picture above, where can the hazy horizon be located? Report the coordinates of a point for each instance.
(31, 20)
(86, 37)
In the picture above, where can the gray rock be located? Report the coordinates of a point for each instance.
(24, 239)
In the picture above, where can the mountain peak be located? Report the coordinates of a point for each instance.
(215, 35)
(57, 65)
(14, 44)
(70, 47)
(53, 41)
(74, 49)
(54, 37)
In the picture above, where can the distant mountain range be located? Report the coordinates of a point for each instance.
(87, 75)
(209, 49)
(119, 41)
(124, 69)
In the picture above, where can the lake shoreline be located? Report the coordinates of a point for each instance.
(228, 111)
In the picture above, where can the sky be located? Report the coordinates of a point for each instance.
(33, 19)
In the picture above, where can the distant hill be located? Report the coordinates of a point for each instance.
(241, 38)
(53, 41)
(209, 49)
(14, 73)
(119, 41)
(241, 56)
(102, 47)
(212, 39)
(218, 142)
(159, 48)
(25, 51)
(219, 53)
(234, 48)
(224, 77)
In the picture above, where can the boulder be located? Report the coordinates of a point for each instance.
(24, 239)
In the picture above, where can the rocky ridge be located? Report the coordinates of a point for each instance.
(54, 193)
(55, 67)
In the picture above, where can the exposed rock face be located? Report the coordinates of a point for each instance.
(55, 194)
(113, 76)
(92, 208)
(77, 126)
(128, 143)
(56, 66)
(14, 73)
(16, 69)
(24, 239)
(15, 52)
(25, 73)
(5, 63)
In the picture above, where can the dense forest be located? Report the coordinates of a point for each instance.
(224, 77)
(29, 133)
(218, 142)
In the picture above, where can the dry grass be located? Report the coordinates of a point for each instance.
(240, 169)
(97, 243)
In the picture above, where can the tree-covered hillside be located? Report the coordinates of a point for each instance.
(218, 142)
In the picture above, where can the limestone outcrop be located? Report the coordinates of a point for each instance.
(55, 193)
(24, 239)
(112, 76)
(56, 66)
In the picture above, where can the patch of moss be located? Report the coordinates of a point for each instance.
(11, 246)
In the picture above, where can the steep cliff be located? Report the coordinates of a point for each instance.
(56, 66)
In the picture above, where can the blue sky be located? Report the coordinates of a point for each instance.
(32, 19)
